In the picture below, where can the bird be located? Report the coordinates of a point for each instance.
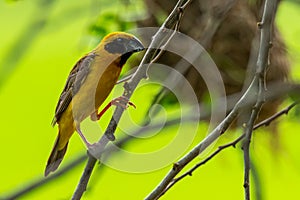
(88, 85)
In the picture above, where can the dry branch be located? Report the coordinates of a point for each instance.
(259, 83)
(265, 122)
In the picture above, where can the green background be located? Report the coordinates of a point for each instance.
(41, 41)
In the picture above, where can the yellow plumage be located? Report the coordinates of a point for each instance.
(88, 85)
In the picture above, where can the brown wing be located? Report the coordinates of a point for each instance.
(76, 78)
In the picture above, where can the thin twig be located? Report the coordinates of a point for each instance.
(129, 86)
(265, 122)
(190, 172)
(124, 79)
(259, 83)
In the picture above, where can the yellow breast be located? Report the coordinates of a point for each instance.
(103, 75)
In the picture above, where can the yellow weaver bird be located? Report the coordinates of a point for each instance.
(88, 85)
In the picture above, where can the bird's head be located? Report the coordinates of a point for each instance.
(122, 43)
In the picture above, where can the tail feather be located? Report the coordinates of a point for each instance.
(55, 157)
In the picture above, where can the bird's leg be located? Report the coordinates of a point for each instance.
(88, 145)
(119, 101)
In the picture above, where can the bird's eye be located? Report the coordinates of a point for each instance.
(119, 40)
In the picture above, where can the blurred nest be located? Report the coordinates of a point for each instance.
(228, 31)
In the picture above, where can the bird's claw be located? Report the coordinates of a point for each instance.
(120, 101)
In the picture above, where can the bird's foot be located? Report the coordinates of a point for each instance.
(119, 101)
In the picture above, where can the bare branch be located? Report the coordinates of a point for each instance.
(190, 172)
(259, 83)
(266, 122)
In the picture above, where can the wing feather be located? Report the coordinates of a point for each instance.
(76, 78)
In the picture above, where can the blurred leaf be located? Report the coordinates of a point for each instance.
(18, 49)
(107, 23)
(295, 1)
(12, 1)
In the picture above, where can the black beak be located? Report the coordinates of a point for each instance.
(135, 45)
